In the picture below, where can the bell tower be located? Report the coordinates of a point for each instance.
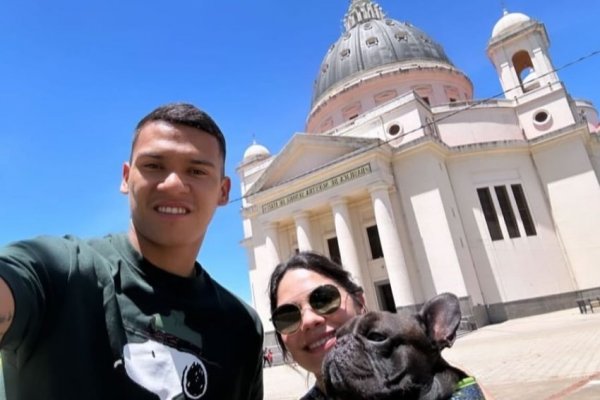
(518, 49)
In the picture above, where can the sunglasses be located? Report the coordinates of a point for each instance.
(324, 300)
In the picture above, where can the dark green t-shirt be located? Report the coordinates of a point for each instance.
(95, 320)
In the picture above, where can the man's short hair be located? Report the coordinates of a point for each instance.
(183, 114)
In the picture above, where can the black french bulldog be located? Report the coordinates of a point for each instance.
(381, 356)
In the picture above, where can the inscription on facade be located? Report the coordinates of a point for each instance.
(317, 188)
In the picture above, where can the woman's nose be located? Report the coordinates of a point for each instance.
(310, 319)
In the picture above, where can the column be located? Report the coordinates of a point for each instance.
(391, 246)
(272, 245)
(343, 231)
(303, 232)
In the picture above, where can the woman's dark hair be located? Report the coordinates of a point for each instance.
(317, 263)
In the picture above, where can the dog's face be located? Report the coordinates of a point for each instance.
(380, 355)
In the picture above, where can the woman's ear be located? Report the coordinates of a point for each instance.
(360, 299)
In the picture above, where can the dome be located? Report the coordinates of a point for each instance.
(508, 21)
(255, 152)
(371, 40)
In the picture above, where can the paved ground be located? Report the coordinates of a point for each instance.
(552, 356)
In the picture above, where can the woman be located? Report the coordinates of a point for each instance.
(311, 297)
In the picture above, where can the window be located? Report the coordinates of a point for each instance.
(384, 96)
(372, 41)
(489, 212)
(352, 111)
(394, 129)
(523, 210)
(507, 210)
(401, 36)
(374, 242)
(334, 250)
(541, 117)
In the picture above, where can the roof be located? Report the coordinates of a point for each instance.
(371, 40)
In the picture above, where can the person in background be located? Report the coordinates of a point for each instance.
(270, 357)
(134, 315)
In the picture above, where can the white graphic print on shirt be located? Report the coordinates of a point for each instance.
(165, 371)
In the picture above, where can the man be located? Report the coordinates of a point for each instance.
(134, 316)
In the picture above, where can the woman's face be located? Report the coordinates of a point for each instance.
(316, 334)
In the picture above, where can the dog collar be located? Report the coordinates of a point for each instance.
(467, 389)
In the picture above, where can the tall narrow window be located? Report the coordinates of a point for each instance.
(507, 211)
(523, 210)
(334, 250)
(489, 212)
(374, 242)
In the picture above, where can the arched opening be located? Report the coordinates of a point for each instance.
(525, 71)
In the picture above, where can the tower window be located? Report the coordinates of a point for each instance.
(345, 53)
(523, 66)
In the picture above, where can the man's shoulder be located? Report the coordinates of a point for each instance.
(50, 249)
(60, 244)
(233, 303)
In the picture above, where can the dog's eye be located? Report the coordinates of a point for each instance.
(376, 336)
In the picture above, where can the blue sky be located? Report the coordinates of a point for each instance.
(76, 76)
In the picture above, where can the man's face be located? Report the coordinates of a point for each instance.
(174, 183)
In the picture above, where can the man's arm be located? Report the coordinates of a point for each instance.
(7, 308)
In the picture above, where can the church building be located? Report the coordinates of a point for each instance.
(417, 188)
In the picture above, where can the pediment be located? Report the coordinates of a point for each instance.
(304, 154)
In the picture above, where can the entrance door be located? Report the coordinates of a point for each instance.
(385, 297)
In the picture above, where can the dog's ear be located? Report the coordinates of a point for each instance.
(441, 316)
